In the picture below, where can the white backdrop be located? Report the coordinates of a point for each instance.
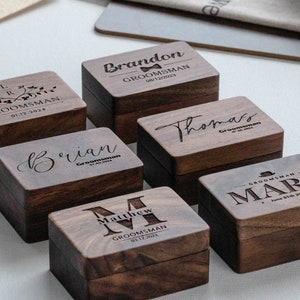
(59, 35)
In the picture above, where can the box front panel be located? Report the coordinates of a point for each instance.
(129, 232)
(149, 69)
(38, 96)
(210, 135)
(258, 207)
(68, 158)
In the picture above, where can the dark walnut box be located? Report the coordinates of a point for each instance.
(254, 213)
(46, 175)
(121, 88)
(178, 147)
(136, 246)
(38, 106)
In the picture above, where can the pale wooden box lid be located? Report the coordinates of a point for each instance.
(83, 155)
(257, 199)
(209, 135)
(186, 63)
(26, 93)
(175, 230)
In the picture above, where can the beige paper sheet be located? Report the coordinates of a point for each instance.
(284, 14)
(9, 7)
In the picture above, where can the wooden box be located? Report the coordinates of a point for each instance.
(254, 213)
(45, 175)
(38, 106)
(178, 147)
(121, 88)
(136, 246)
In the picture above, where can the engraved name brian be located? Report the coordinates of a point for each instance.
(44, 161)
(111, 67)
(194, 124)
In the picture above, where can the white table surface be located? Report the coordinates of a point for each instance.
(59, 35)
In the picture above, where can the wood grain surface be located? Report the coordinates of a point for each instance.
(253, 212)
(186, 185)
(131, 85)
(209, 135)
(37, 106)
(116, 246)
(54, 173)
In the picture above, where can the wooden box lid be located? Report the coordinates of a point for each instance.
(119, 80)
(209, 135)
(255, 200)
(26, 99)
(74, 157)
(127, 232)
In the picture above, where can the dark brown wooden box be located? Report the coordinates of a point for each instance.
(45, 175)
(121, 88)
(178, 147)
(38, 106)
(136, 246)
(254, 213)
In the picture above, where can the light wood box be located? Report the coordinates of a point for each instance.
(136, 246)
(37, 106)
(45, 175)
(121, 88)
(178, 147)
(254, 213)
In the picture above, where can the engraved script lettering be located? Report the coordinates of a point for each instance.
(38, 162)
(191, 124)
(43, 162)
(73, 157)
(111, 67)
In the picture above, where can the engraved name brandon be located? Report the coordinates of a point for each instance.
(138, 222)
(194, 124)
(112, 68)
(44, 161)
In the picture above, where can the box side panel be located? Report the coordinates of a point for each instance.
(148, 282)
(230, 154)
(43, 127)
(68, 276)
(255, 253)
(98, 113)
(13, 212)
(185, 185)
(99, 92)
(221, 240)
(154, 280)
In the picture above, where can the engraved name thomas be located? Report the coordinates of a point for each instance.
(194, 124)
(111, 67)
(43, 161)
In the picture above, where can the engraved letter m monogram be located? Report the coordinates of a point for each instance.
(133, 203)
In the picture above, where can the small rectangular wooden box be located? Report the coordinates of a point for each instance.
(37, 106)
(121, 88)
(136, 246)
(254, 213)
(178, 147)
(45, 175)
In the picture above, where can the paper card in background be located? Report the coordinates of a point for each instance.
(155, 23)
(274, 13)
(9, 7)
